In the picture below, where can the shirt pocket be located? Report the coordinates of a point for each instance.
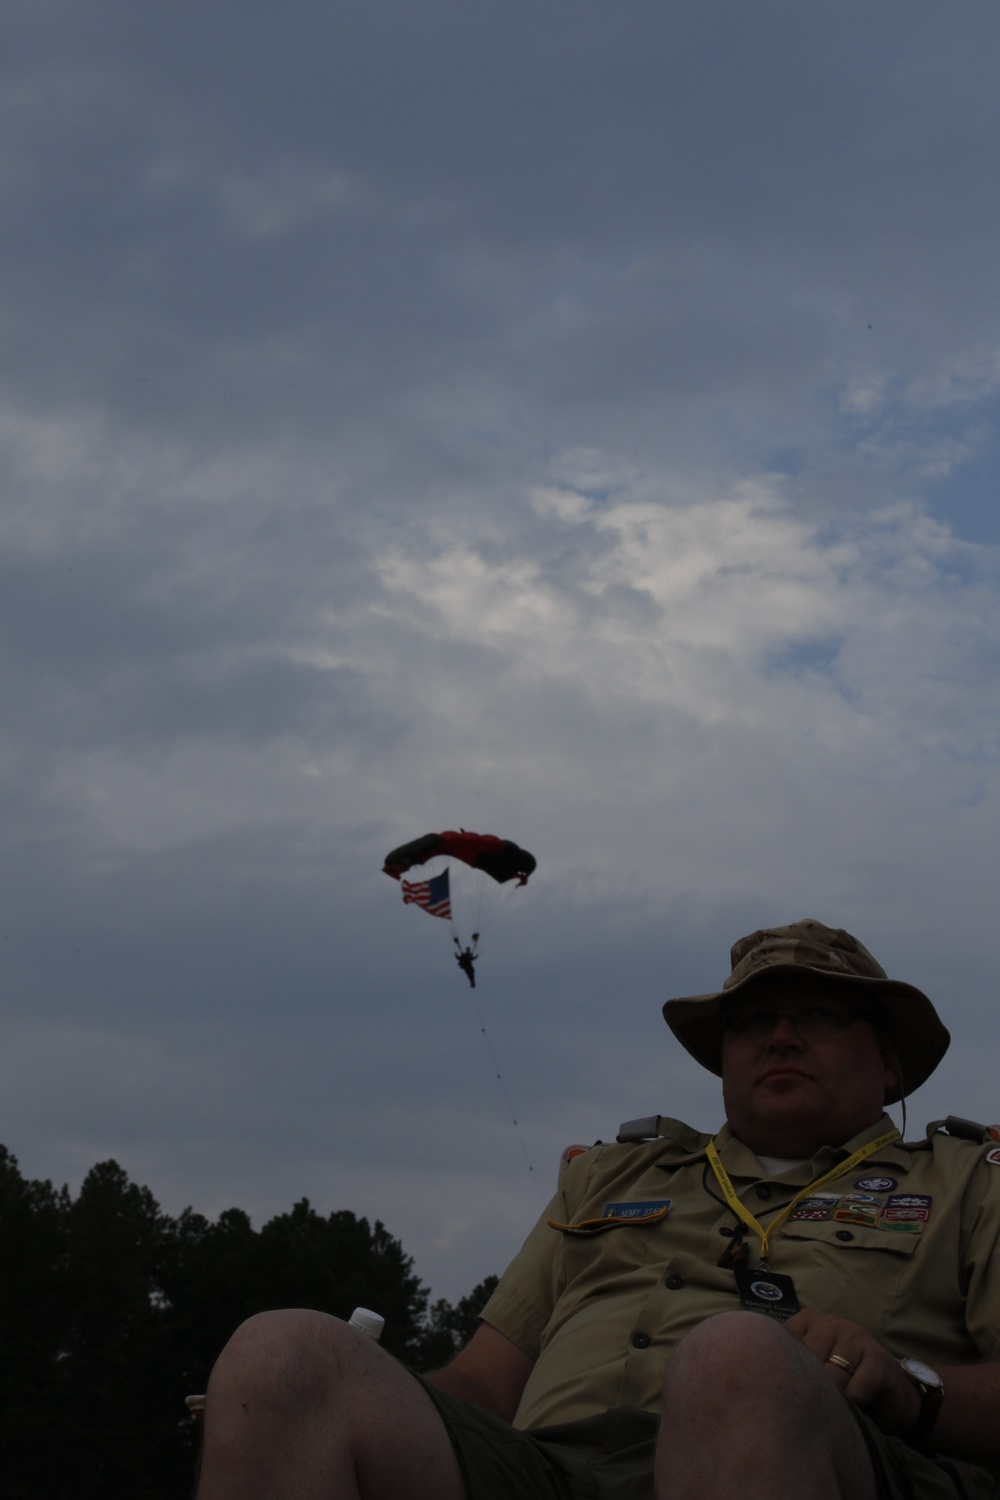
(848, 1237)
(599, 1253)
(851, 1270)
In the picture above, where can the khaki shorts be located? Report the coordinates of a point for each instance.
(610, 1457)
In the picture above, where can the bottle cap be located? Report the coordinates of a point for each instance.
(366, 1321)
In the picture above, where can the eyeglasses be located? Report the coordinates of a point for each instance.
(751, 1022)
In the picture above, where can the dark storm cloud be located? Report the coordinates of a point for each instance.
(92, 654)
(283, 219)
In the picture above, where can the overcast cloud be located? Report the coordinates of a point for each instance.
(574, 420)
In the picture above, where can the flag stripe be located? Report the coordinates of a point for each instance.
(432, 896)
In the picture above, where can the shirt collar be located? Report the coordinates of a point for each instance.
(740, 1161)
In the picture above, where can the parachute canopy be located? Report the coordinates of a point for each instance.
(500, 858)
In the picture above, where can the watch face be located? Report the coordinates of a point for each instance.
(922, 1372)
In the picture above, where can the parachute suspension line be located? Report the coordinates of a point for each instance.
(486, 909)
(503, 1086)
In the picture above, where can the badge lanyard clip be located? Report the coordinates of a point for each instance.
(736, 1253)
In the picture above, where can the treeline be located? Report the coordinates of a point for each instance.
(112, 1311)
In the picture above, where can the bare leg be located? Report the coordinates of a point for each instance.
(301, 1407)
(749, 1411)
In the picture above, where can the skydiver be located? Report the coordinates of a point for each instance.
(465, 963)
(465, 958)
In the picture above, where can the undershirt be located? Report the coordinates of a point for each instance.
(775, 1165)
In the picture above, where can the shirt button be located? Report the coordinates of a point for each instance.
(675, 1282)
(641, 1341)
(762, 1190)
(844, 1234)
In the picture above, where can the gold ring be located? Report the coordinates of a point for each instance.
(837, 1359)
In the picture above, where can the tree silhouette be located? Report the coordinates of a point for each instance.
(111, 1312)
(33, 1241)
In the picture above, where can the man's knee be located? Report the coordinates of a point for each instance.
(291, 1358)
(733, 1355)
(744, 1397)
(299, 1403)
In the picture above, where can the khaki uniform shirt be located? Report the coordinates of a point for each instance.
(904, 1245)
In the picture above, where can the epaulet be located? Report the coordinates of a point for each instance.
(662, 1128)
(634, 1131)
(965, 1130)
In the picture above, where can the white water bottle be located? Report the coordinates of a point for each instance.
(367, 1322)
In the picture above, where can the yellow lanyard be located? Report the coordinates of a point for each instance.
(747, 1217)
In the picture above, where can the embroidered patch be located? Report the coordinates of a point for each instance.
(618, 1216)
(993, 1157)
(647, 1209)
(859, 1208)
(876, 1184)
(906, 1212)
(817, 1207)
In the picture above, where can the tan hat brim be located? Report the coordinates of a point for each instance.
(917, 1032)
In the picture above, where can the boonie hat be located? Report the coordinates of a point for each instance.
(827, 953)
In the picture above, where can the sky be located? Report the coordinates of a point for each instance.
(573, 420)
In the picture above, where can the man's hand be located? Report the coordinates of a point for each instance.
(859, 1366)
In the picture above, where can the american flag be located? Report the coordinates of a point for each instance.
(433, 895)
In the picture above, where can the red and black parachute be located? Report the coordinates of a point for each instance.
(467, 893)
(500, 858)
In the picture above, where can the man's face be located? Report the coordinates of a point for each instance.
(786, 1092)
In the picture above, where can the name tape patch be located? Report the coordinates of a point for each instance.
(647, 1209)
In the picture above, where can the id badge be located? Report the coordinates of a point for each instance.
(766, 1292)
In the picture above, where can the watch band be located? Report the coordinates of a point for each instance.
(931, 1387)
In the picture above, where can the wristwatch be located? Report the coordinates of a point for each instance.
(931, 1387)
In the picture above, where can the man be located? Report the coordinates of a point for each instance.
(466, 959)
(625, 1354)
